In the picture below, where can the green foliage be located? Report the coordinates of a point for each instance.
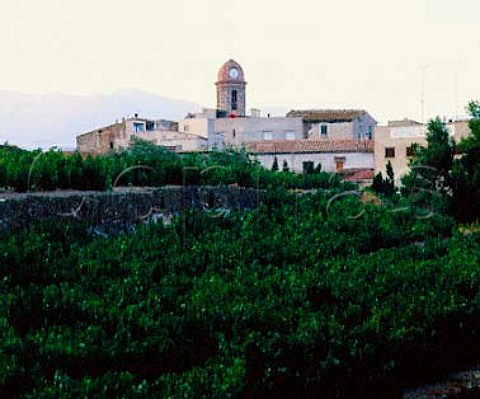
(315, 295)
(385, 186)
(466, 172)
(308, 167)
(429, 183)
(275, 164)
(432, 165)
(474, 109)
(143, 164)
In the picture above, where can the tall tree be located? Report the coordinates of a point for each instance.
(275, 164)
(385, 186)
(466, 171)
(389, 181)
(431, 166)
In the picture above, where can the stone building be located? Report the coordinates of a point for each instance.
(336, 124)
(120, 134)
(394, 142)
(229, 125)
(339, 140)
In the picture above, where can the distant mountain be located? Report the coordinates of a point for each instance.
(46, 120)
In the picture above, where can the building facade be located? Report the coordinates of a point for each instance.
(393, 143)
(120, 135)
(336, 124)
(339, 156)
(338, 140)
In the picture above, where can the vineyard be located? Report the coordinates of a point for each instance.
(295, 299)
(143, 164)
(314, 294)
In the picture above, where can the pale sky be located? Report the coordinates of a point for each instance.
(296, 54)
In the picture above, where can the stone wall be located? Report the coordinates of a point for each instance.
(122, 208)
(102, 140)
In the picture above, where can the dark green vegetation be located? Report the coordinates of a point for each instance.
(309, 296)
(385, 186)
(296, 299)
(455, 180)
(141, 165)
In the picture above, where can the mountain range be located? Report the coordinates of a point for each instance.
(45, 120)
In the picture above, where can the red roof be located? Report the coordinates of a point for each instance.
(302, 146)
(365, 174)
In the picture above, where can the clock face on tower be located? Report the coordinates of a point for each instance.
(233, 73)
(231, 89)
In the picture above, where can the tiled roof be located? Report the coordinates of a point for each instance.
(326, 115)
(364, 174)
(302, 146)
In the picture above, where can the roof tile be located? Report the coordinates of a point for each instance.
(302, 146)
(326, 115)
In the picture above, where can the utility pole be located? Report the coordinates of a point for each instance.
(422, 100)
(456, 91)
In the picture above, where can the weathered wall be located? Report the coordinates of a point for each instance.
(122, 208)
(237, 131)
(179, 141)
(336, 131)
(102, 140)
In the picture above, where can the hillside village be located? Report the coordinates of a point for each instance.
(345, 141)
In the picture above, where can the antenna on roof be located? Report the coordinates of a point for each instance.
(422, 100)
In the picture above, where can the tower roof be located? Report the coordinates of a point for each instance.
(223, 73)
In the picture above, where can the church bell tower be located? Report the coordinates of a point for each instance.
(231, 89)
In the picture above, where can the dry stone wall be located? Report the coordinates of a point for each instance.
(122, 208)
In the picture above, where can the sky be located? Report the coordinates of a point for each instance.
(379, 55)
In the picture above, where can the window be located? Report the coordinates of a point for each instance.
(410, 151)
(234, 133)
(267, 136)
(138, 127)
(323, 130)
(234, 100)
(290, 135)
(186, 128)
(390, 152)
(308, 167)
(370, 132)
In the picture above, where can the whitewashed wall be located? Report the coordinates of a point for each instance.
(353, 160)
